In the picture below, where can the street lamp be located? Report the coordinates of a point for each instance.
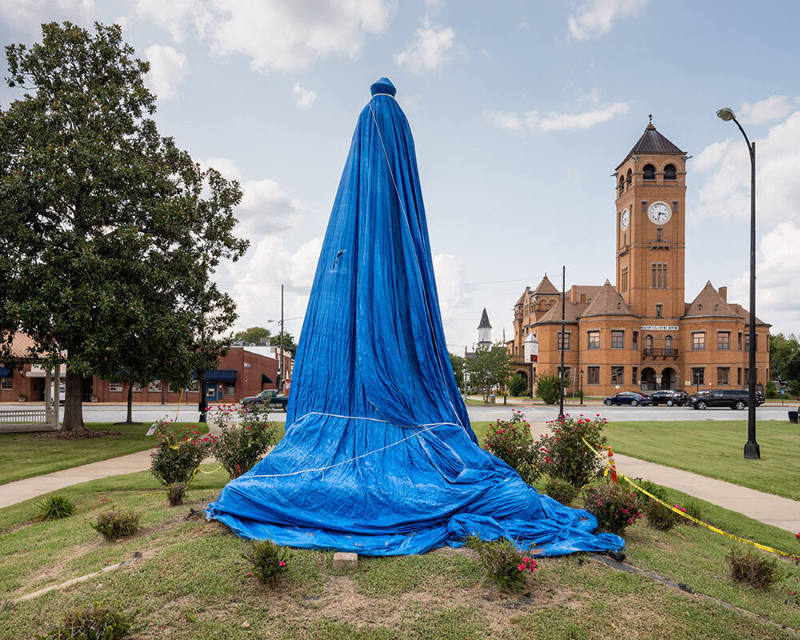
(581, 389)
(751, 448)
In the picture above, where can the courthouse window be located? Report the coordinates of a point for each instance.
(594, 340)
(593, 375)
(6, 384)
(723, 340)
(635, 340)
(617, 375)
(699, 341)
(563, 341)
(659, 275)
(617, 339)
(115, 387)
(698, 375)
(723, 375)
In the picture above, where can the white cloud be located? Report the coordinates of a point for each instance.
(726, 194)
(225, 166)
(449, 272)
(266, 208)
(168, 69)
(767, 110)
(30, 14)
(429, 50)
(557, 121)
(594, 18)
(304, 263)
(175, 15)
(303, 97)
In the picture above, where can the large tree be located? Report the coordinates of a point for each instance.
(253, 335)
(488, 368)
(110, 231)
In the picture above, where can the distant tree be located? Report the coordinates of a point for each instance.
(784, 357)
(110, 232)
(548, 388)
(517, 386)
(457, 363)
(288, 342)
(488, 368)
(253, 335)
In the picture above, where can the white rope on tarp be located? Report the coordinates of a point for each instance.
(427, 427)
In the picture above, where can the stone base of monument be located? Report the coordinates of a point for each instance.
(343, 560)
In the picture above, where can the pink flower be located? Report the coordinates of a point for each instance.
(521, 567)
(526, 559)
(282, 563)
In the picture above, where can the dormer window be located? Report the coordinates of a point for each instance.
(669, 172)
(649, 172)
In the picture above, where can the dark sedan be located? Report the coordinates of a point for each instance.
(269, 398)
(628, 397)
(669, 398)
(731, 398)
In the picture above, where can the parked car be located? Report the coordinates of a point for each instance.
(669, 398)
(269, 398)
(733, 398)
(632, 398)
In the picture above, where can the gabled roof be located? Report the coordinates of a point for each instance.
(744, 314)
(545, 287)
(652, 142)
(709, 303)
(572, 311)
(484, 321)
(588, 290)
(522, 297)
(608, 303)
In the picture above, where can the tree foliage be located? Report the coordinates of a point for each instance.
(253, 335)
(457, 363)
(784, 359)
(548, 388)
(289, 343)
(110, 231)
(517, 386)
(488, 368)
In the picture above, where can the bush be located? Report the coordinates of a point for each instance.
(116, 524)
(175, 493)
(658, 516)
(95, 623)
(753, 568)
(55, 507)
(517, 386)
(511, 441)
(504, 564)
(771, 391)
(267, 558)
(562, 453)
(177, 458)
(692, 509)
(548, 388)
(241, 445)
(560, 490)
(614, 508)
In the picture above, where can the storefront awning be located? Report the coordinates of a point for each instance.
(221, 375)
(265, 379)
(6, 373)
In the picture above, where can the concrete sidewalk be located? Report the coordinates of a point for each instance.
(765, 507)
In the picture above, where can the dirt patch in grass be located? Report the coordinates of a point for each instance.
(88, 434)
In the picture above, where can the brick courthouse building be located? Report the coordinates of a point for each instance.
(641, 334)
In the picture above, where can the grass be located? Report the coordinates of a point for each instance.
(191, 582)
(714, 449)
(24, 455)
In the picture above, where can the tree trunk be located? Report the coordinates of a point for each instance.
(201, 379)
(73, 404)
(129, 417)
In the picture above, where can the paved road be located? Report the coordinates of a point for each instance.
(534, 413)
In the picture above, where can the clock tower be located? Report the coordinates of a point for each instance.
(650, 227)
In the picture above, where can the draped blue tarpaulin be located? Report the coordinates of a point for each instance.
(378, 456)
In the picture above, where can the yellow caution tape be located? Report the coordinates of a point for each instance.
(710, 527)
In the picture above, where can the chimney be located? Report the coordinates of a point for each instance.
(723, 292)
(583, 297)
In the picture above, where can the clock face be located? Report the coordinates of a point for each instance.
(659, 213)
(624, 219)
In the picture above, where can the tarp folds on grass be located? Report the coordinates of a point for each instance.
(378, 455)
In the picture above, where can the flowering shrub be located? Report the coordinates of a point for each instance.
(177, 458)
(562, 453)
(560, 490)
(268, 559)
(692, 509)
(511, 441)
(753, 568)
(504, 564)
(98, 622)
(658, 516)
(614, 507)
(114, 524)
(245, 437)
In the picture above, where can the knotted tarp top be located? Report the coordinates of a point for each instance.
(378, 456)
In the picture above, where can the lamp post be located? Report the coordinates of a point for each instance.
(751, 448)
(581, 389)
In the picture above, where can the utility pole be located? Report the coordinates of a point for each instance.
(560, 342)
(281, 366)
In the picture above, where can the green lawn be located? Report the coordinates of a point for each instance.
(715, 449)
(191, 582)
(24, 455)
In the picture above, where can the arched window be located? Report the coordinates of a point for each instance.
(669, 172)
(649, 172)
(621, 184)
(668, 345)
(629, 177)
(648, 344)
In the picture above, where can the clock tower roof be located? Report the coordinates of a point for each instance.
(652, 142)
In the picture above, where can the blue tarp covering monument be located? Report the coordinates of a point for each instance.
(379, 457)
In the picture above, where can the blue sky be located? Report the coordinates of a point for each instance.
(520, 112)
